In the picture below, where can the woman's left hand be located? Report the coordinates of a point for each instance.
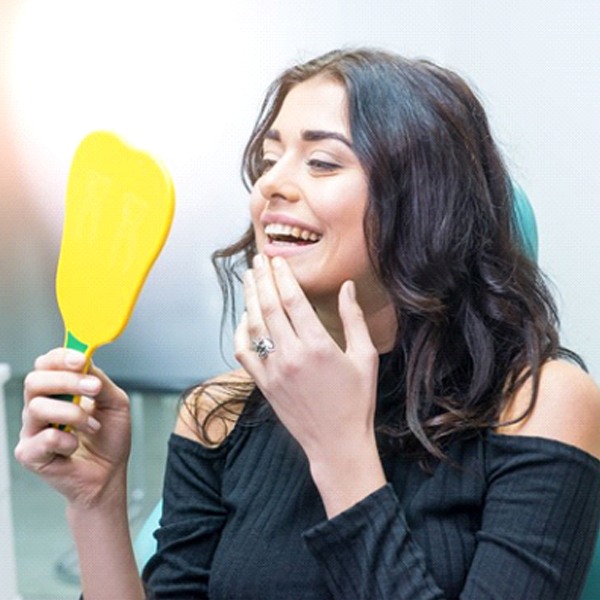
(323, 394)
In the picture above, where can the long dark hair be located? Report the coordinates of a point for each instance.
(476, 318)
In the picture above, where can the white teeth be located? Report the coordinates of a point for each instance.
(273, 229)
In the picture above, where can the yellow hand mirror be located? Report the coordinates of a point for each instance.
(119, 208)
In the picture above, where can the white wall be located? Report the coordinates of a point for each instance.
(184, 79)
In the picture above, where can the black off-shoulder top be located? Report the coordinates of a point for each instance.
(507, 518)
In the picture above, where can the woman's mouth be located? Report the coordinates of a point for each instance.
(281, 234)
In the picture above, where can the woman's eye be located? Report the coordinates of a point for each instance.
(266, 164)
(322, 165)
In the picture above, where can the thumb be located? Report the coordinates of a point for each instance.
(356, 331)
(110, 394)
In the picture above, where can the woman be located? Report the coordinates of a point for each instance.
(404, 424)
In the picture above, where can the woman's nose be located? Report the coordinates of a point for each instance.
(279, 182)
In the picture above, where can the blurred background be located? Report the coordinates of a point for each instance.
(184, 80)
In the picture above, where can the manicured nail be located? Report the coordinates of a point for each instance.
(351, 290)
(259, 261)
(93, 424)
(277, 262)
(88, 384)
(74, 359)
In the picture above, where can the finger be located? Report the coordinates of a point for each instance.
(272, 310)
(61, 359)
(254, 322)
(245, 352)
(36, 453)
(42, 411)
(298, 309)
(243, 344)
(52, 383)
(356, 332)
(110, 394)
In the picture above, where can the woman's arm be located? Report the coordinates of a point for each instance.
(107, 564)
(324, 394)
(86, 464)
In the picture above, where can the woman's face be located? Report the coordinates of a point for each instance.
(309, 204)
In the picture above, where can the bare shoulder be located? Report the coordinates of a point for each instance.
(567, 408)
(210, 405)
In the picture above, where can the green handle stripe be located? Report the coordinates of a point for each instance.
(74, 344)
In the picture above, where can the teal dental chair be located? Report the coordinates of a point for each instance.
(145, 544)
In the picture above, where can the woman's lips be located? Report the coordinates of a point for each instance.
(287, 247)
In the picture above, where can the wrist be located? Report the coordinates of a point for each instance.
(347, 476)
(104, 520)
(107, 498)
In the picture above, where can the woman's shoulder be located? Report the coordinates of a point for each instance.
(567, 408)
(210, 411)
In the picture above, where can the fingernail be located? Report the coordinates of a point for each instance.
(88, 384)
(351, 290)
(277, 262)
(74, 359)
(259, 261)
(93, 424)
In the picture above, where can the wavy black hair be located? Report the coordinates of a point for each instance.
(476, 317)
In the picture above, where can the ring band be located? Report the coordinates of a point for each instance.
(263, 347)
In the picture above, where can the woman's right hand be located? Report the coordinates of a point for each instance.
(88, 462)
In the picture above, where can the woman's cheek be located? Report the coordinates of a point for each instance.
(257, 205)
(260, 242)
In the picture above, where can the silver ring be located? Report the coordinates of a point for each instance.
(263, 347)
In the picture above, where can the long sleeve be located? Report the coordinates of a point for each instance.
(191, 523)
(540, 521)
(367, 552)
(535, 540)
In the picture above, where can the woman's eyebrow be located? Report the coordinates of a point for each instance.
(312, 135)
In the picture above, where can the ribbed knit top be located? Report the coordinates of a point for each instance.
(516, 519)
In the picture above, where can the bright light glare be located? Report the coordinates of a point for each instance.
(161, 74)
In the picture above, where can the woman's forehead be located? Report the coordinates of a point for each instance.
(320, 103)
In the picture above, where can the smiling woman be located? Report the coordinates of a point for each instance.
(398, 425)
